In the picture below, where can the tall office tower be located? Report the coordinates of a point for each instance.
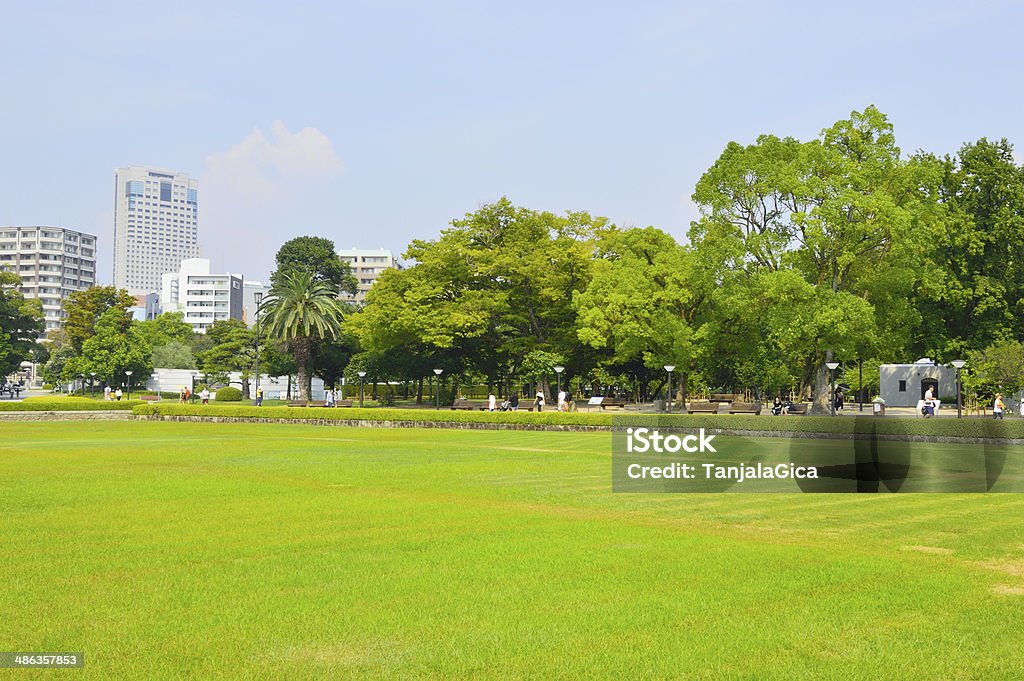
(52, 262)
(155, 226)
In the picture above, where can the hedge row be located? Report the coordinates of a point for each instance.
(65, 404)
(970, 427)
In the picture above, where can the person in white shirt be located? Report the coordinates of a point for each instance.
(562, 406)
(205, 394)
(492, 402)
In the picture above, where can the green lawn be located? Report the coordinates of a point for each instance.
(171, 550)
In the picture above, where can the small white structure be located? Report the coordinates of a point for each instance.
(904, 385)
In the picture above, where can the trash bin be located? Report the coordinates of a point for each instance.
(878, 407)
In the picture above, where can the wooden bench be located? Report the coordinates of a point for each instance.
(797, 409)
(297, 403)
(317, 403)
(149, 398)
(466, 405)
(702, 408)
(343, 403)
(745, 408)
(613, 403)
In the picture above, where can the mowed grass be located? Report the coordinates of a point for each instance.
(195, 550)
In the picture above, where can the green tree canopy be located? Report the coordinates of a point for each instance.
(316, 256)
(84, 308)
(21, 323)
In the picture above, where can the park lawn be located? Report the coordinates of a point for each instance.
(170, 550)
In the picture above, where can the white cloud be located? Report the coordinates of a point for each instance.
(261, 192)
(258, 165)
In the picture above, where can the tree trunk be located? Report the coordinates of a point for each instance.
(300, 348)
(419, 391)
(822, 388)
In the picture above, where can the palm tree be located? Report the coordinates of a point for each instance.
(299, 310)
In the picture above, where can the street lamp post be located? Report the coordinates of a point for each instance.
(361, 374)
(194, 374)
(670, 368)
(832, 366)
(559, 370)
(860, 387)
(129, 375)
(437, 392)
(258, 297)
(92, 383)
(959, 364)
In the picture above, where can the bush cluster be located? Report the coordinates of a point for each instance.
(229, 394)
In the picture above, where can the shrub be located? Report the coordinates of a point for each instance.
(229, 394)
(65, 404)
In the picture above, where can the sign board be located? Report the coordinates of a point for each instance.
(595, 400)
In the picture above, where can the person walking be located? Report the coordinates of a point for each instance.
(259, 397)
(205, 394)
(562, 406)
(538, 403)
(998, 407)
(106, 392)
(330, 398)
(118, 394)
(492, 402)
(182, 394)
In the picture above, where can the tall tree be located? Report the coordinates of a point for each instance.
(973, 293)
(844, 212)
(300, 310)
(84, 308)
(111, 351)
(316, 256)
(234, 349)
(495, 287)
(644, 303)
(21, 323)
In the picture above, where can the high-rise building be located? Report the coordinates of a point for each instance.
(52, 262)
(156, 214)
(203, 297)
(367, 264)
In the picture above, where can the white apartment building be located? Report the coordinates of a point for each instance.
(203, 297)
(367, 264)
(156, 215)
(53, 262)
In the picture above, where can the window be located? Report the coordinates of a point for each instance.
(903, 386)
(165, 191)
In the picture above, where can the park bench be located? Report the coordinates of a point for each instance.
(702, 408)
(612, 402)
(745, 408)
(149, 398)
(466, 405)
(343, 403)
(297, 403)
(797, 409)
(317, 403)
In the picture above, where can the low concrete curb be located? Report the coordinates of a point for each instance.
(362, 423)
(106, 415)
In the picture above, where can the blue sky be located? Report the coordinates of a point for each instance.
(373, 123)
